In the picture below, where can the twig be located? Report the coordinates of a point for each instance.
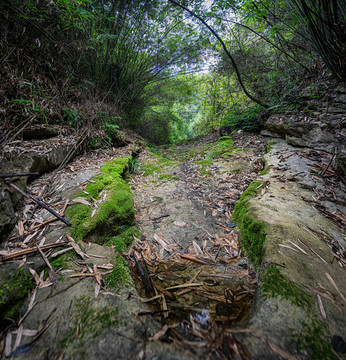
(142, 274)
(335, 286)
(286, 157)
(4, 176)
(38, 202)
(30, 251)
(313, 251)
(52, 275)
(330, 161)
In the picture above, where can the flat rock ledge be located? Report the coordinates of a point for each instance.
(298, 262)
(29, 157)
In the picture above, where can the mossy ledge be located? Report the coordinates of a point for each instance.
(113, 214)
(253, 232)
(13, 293)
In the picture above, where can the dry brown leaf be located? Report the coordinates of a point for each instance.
(180, 223)
(20, 227)
(93, 213)
(82, 200)
(182, 286)
(35, 275)
(320, 305)
(162, 242)
(26, 332)
(335, 287)
(97, 289)
(19, 337)
(197, 248)
(76, 247)
(8, 344)
(162, 332)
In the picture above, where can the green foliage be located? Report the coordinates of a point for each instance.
(245, 119)
(70, 115)
(133, 165)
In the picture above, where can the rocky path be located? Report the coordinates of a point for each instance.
(192, 293)
(184, 199)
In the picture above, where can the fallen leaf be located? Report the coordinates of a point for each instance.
(163, 331)
(82, 200)
(180, 223)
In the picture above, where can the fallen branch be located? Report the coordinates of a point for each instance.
(4, 176)
(19, 253)
(191, 258)
(38, 202)
(327, 167)
(142, 274)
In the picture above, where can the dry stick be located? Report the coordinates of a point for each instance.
(142, 274)
(330, 161)
(38, 202)
(30, 251)
(313, 251)
(52, 275)
(62, 213)
(286, 157)
(335, 287)
(3, 176)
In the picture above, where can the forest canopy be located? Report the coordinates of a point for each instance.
(167, 69)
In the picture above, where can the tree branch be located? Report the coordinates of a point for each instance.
(226, 51)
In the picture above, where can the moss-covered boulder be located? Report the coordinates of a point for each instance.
(105, 207)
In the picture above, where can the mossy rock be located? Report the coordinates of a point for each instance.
(120, 275)
(253, 232)
(116, 210)
(13, 293)
(124, 240)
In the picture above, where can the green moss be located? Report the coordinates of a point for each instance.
(223, 145)
(253, 232)
(114, 212)
(269, 145)
(120, 274)
(313, 340)
(124, 240)
(13, 294)
(223, 138)
(167, 177)
(276, 284)
(150, 169)
(264, 171)
(88, 323)
(205, 162)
